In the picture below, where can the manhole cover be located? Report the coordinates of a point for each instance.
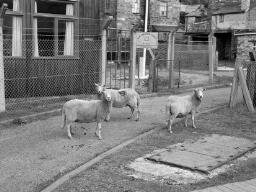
(205, 154)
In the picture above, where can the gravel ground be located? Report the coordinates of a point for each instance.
(114, 174)
(35, 154)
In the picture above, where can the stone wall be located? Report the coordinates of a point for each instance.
(173, 13)
(244, 46)
(126, 19)
(251, 18)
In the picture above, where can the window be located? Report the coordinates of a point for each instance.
(107, 4)
(12, 28)
(163, 9)
(135, 6)
(221, 17)
(53, 28)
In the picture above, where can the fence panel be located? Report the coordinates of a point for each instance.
(29, 78)
(118, 58)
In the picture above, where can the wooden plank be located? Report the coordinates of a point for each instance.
(234, 88)
(245, 90)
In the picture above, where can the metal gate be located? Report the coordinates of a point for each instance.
(118, 58)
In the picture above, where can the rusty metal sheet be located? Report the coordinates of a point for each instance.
(204, 154)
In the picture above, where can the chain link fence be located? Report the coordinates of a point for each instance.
(49, 69)
(251, 77)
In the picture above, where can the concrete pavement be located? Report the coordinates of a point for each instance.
(244, 186)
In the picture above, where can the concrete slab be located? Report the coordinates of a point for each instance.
(205, 154)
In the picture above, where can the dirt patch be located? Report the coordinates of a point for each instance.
(111, 173)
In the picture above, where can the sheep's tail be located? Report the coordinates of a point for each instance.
(64, 118)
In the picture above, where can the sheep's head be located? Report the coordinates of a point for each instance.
(100, 88)
(199, 93)
(106, 95)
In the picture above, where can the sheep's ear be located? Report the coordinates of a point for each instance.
(123, 93)
(204, 89)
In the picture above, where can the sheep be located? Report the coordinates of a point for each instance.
(181, 106)
(86, 111)
(122, 98)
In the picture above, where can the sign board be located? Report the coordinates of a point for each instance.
(147, 40)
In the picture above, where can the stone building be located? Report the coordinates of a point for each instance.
(224, 19)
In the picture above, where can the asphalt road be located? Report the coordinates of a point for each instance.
(34, 154)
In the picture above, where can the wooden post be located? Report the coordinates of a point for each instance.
(170, 59)
(2, 87)
(234, 88)
(245, 90)
(132, 60)
(211, 53)
(103, 57)
(152, 73)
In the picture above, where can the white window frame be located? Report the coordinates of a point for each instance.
(71, 20)
(221, 18)
(163, 9)
(135, 6)
(17, 28)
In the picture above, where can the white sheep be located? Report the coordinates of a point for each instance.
(122, 98)
(86, 111)
(181, 106)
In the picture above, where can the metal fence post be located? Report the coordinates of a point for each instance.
(211, 42)
(132, 60)
(103, 56)
(2, 87)
(170, 59)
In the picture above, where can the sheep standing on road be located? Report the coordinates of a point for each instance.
(86, 111)
(122, 98)
(181, 106)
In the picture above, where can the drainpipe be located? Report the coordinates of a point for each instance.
(142, 68)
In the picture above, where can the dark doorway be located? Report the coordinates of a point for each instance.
(223, 46)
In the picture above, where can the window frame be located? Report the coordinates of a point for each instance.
(21, 14)
(57, 18)
(221, 18)
(162, 5)
(135, 6)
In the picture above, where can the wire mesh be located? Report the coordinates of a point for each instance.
(44, 72)
(251, 77)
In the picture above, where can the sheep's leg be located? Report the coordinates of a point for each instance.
(108, 114)
(186, 121)
(170, 121)
(68, 130)
(193, 119)
(132, 112)
(98, 130)
(108, 117)
(138, 114)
